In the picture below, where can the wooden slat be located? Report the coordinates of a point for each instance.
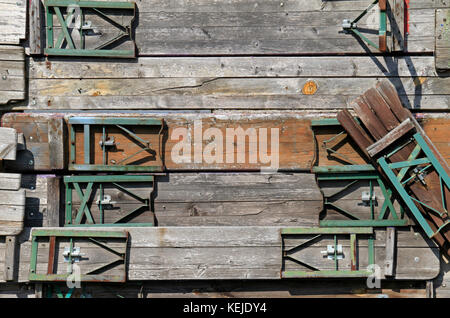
(10, 181)
(228, 27)
(12, 73)
(204, 253)
(8, 143)
(224, 93)
(267, 66)
(442, 54)
(296, 142)
(12, 211)
(35, 24)
(10, 258)
(390, 138)
(389, 263)
(13, 21)
(219, 199)
(43, 147)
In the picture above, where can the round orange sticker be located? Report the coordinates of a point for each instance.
(309, 88)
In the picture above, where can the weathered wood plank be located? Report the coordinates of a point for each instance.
(389, 263)
(226, 253)
(295, 139)
(35, 12)
(43, 147)
(426, 93)
(442, 54)
(215, 199)
(12, 73)
(389, 138)
(10, 181)
(246, 27)
(174, 67)
(12, 211)
(13, 17)
(8, 143)
(10, 251)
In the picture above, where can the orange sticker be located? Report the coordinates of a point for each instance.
(309, 88)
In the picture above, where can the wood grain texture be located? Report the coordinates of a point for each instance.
(248, 27)
(13, 17)
(296, 142)
(43, 141)
(8, 143)
(229, 82)
(443, 39)
(12, 211)
(10, 181)
(12, 73)
(204, 253)
(220, 199)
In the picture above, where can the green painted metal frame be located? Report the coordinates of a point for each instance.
(382, 32)
(73, 235)
(53, 7)
(355, 173)
(397, 171)
(121, 123)
(353, 232)
(73, 183)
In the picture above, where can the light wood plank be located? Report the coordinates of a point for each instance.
(13, 21)
(12, 72)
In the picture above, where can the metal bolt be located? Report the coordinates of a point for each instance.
(30, 162)
(4, 77)
(281, 4)
(416, 259)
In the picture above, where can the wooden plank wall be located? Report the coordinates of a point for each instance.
(227, 63)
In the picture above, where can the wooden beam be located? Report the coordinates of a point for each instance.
(12, 73)
(10, 258)
(389, 263)
(442, 54)
(390, 138)
(35, 23)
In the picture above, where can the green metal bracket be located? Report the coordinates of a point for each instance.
(401, 174)
(96, 237)
(333, 252)
(97, 182)
(126, 126)
(74, 20)
(351, 26)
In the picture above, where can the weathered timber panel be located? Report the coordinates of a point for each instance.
(42, 147)
(443, 39)
(171, 253)
(12, 73)
(230, 82)
(214, 199)
(12, 211)
(249, 27)
(8, 143)
(292, 129)
(13, 17)
(43, 205)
